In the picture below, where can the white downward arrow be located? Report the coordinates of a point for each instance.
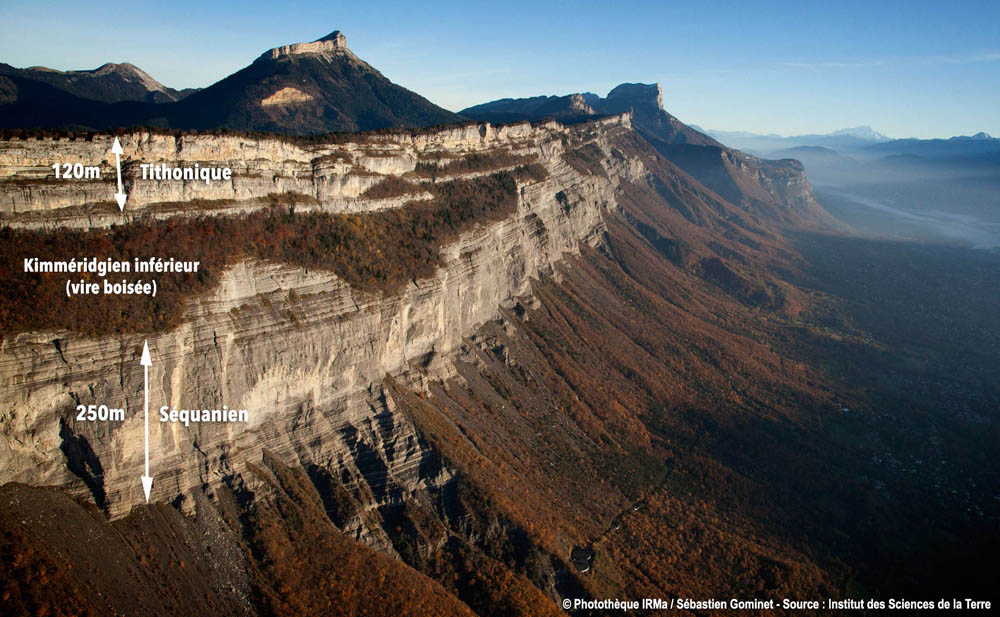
(120, 196)
(146, 362)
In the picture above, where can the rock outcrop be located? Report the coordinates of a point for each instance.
(775, 189)
(329, 45)
(302, 351)
(332, 177)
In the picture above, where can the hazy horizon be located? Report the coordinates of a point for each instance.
(906, 70)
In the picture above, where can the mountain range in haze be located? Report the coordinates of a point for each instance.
(861, 141)
(938, 190)
(862, 133)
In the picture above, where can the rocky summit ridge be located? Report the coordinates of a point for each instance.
(329, 45)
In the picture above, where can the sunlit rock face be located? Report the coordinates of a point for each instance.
(302, 351)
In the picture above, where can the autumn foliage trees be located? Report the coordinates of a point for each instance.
(472, 163)
(377, 251)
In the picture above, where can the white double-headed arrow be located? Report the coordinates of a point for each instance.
(120, 196)
(146, 362)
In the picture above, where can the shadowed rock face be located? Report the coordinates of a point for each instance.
(645, 101)
(740, 178)
(758, 185)
(68, 560)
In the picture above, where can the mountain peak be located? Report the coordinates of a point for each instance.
(861, 132)
(112, 82)
(643, 101)
(129, 72)
(639, 94)
(336, 36)
(301, 88)
(331, 44)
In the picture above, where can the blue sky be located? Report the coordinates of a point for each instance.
(924, 69)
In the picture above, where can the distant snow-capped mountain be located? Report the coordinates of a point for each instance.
(861, 132)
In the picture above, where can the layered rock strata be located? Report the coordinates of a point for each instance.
(330, 177)
(302, 351)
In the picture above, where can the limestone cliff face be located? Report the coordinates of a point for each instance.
(778, 189)
(333, 176)
(331, 44)
(783, 181)
(306, 354)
